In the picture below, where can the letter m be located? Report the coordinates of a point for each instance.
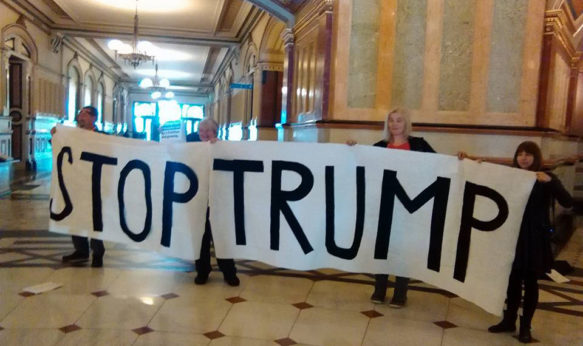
(391, 188)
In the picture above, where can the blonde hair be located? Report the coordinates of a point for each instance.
(209, 123)
(406, 114)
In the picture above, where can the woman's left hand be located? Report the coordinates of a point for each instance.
(543, 177)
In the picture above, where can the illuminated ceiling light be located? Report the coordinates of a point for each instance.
(146, 83)
(135, 54)
(157, 86)
(164, 83)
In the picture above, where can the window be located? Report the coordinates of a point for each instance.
(100, 102)
(192, 114)
(73, 92)
(88, 100)
(169, 111)
(145, 112)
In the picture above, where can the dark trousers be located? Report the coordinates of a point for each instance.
(401, 286)
(514, 293)
(203, 264)
(82, 244)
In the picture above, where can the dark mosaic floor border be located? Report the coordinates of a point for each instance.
(61, 246)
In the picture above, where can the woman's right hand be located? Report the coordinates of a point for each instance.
(462, 155)
(351, 142)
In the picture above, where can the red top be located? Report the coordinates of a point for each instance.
(404, 146)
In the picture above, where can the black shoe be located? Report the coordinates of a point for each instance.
(397, 303)
(524, 335)
(97, 261)
(231, 279)
(378, 297)
(201, 278)
(503, 327)
(76, 257)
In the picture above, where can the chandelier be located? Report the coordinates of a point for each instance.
(135, 54)
(157, 87)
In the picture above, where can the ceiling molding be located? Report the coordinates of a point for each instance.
(55, 8)
(224, 6)
(114, 64)
(211, 60)
(162, 36)
(31, 14)
(276, 10)
(251, 21)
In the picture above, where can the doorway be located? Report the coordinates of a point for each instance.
(17, 105)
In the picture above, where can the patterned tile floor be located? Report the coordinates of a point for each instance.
(142, 298)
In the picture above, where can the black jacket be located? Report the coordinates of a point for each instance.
(416, 143)
(533, 250)
(193, 137)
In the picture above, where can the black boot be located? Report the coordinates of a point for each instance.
(231, 279)
(380, 289)
(524, 335)
(201, 278)
(508, 324)
(76, 257)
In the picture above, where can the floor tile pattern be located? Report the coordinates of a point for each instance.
(143, 298)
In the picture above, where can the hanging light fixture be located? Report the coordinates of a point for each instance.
(157, 87)
(135, 54)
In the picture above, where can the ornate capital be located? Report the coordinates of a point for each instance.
(287, 35)
(56, 42)
(329, 5)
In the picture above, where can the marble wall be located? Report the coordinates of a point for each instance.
(506, 56)
(455, 70)
(559, 93)
(409, 52)
(363, 60)
(450, 61)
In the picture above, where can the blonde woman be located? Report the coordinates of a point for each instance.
(396, 136)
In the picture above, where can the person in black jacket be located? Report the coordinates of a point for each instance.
(85, 120)
(396, 135)
(207, 131)
(533, 250)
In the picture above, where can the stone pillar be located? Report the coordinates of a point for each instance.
(288, 74)
(328, 35)
(3, 81)
(227, 97)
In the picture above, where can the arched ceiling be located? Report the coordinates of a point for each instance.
(190, 37)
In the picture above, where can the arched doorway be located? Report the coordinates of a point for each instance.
(18, 60)
(269, 80)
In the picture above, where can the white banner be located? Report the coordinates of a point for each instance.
(450, 223)
(130, 191)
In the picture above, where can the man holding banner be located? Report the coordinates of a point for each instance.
(86, 120)
(207, 132)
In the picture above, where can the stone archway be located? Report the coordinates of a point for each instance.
(18, 59)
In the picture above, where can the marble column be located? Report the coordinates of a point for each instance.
(288, 74)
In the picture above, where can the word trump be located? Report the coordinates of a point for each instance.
(391, 191)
